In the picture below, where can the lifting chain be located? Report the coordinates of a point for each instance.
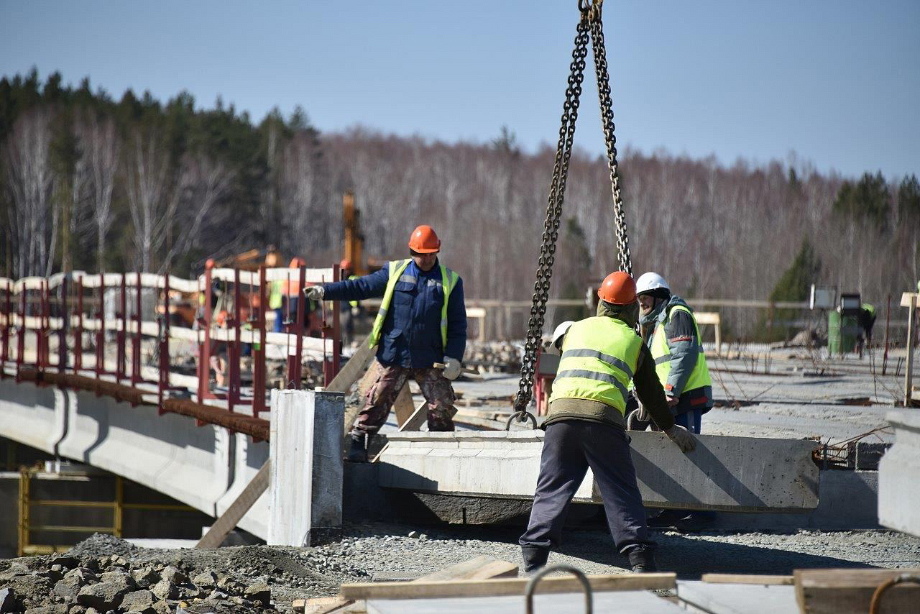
(589, 24)
(603, 93)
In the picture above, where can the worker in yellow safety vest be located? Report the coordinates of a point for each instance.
(585, 427)
(421, 323)
(669, 327)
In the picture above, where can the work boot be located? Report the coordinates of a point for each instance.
(642, 559)
(534, 557)
(357, 451)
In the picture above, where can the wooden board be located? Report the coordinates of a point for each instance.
(500, 587)
(479, 568)
(731, 578)
(353, 369)
(841, 591)
(403, 406)
(229, 519)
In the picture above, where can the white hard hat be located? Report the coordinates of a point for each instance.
(560, 332)
(651, 281)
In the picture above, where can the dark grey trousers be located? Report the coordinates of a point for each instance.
(570, 447)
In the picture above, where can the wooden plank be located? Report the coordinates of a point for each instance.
(907, 296)
(505, 586)
(731, 578)
(353, 369)
(841, 591)
(480, 568)
(403, 406)
(229, 519)
(416, 420)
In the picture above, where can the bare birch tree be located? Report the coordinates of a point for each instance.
(30, 182)
(101, 148)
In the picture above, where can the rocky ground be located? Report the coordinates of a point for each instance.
(104, 574)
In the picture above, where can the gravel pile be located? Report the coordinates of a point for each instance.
(107, 574)
(104, 573)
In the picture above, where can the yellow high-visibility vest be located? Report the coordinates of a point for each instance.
(699, 377)
(448, 281)
(599, 358)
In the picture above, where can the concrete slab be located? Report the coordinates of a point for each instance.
(898, 495)
(644, 602)
(305, 494)
(723, 473)
(737, 598)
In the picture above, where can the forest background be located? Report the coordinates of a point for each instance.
(88, 182)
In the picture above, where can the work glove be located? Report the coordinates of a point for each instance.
(314, 293)
(682, 437)
(451, 368)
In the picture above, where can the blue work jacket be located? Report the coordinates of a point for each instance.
(411, 335)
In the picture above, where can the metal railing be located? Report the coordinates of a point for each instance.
(72, 306)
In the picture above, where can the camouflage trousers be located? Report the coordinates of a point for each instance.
(382, 394)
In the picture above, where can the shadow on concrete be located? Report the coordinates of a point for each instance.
(661, 483)
(690, 558)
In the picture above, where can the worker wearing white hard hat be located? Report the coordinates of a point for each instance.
(669, 328)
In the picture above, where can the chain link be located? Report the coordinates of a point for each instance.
(553, 218)
(588, 24)
(603, 92)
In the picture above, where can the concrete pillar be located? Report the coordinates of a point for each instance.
(307, 470)
(898, 495)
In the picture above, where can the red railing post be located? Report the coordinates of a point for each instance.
(204, 348)
(295, 364)
(136, 376)
(40, 331)
(78, 331)
(258, 355)
(120, 370)
(100, 332)
(21, 340)
(7, 323)
(234, 347)
(65, 325)
(163, 382)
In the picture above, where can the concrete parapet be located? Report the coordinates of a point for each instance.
(898, 493)
(305, 496)
(723, 473)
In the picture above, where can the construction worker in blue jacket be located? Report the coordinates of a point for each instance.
(421, 322)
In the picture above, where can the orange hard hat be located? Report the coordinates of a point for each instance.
(345, 265)
(618, 288)
(424, 240)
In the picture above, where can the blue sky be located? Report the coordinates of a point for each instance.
(838, 82)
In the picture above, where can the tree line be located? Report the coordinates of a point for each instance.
(94, 183)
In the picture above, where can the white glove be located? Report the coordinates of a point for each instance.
(451, 368)
(682, 437)
(314, 293)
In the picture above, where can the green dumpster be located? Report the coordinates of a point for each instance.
(842, 332)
